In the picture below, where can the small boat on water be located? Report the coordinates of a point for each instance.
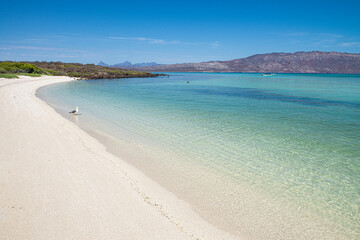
(268, 74)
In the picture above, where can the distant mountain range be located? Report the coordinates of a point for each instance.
(129, 65)
(299, 62)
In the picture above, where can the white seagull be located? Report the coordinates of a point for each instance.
(75, 111)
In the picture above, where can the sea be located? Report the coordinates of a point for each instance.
(263, 157)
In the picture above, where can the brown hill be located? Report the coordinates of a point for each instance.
(299, 62)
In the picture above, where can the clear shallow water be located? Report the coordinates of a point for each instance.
(268, 157)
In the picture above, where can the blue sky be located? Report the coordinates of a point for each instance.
(173, 31)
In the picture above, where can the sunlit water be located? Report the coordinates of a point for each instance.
(266, 157)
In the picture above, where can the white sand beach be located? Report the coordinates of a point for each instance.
(57, 182)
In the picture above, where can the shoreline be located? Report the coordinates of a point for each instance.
(59, 182)
(241, 213)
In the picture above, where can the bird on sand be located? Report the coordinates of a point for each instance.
(75, 111)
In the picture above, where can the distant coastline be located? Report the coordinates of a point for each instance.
(299, 62)
(10, 69)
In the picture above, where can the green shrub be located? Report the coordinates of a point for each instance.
(2, 75)
(53, 72)
(75, 74)
(18, 67)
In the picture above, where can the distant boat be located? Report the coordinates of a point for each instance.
(268, 74)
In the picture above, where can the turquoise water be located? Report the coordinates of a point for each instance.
(268, 157)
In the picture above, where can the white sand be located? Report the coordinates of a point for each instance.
(57, 182)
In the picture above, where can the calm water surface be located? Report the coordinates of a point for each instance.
(268, 157)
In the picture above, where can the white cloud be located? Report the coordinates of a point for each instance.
(36, 48)
(316, 39)
(36, 39)
(161, 41)
(295, 34)
(215, 44)
(331, 35)
(150, 40)
(349, 44)
(325, 41)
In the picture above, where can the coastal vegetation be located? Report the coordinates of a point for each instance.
(16, 75)
(83, 71)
